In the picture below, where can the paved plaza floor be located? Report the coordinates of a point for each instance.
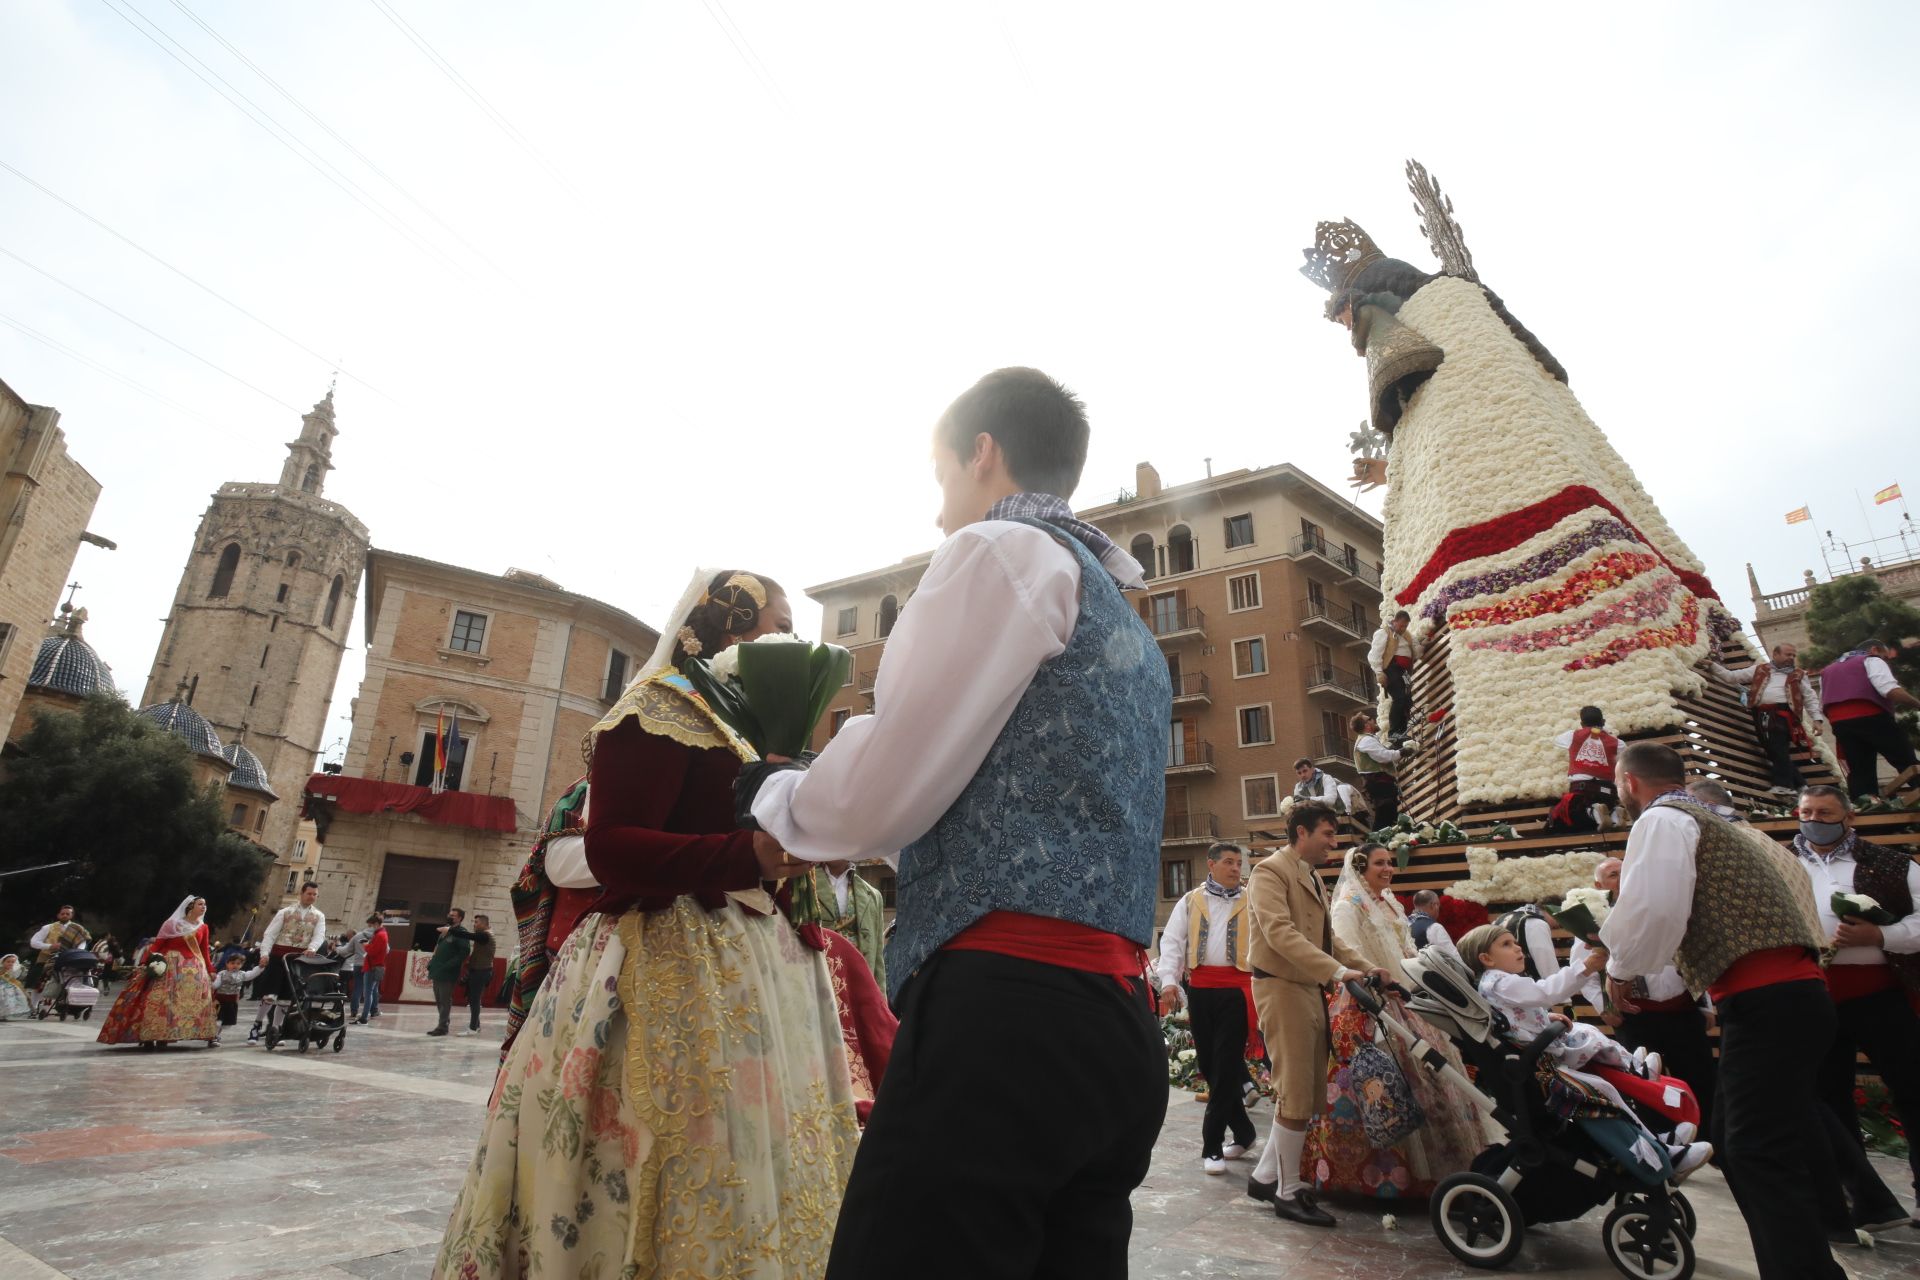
(235, 1164)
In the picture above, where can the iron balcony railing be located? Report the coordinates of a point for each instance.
(1180, 828)
(1339, 679)
(1352, 565)
(1192, 687)
(1174, 622)
(1197, 756)
(1341, 618)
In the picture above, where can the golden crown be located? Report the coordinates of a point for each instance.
(1341, 250)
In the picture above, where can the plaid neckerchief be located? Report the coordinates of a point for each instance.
(1842, 850)
(1218, 890)
(1054, 510)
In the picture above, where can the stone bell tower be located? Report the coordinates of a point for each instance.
(260, 620)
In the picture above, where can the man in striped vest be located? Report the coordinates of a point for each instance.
(1206, 941)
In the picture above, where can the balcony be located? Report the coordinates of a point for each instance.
(1341, 683)
(1184, 757)
(1333, 748)
(1352, 568)
(1174, 625)
(1191, 690)
(864, 682)
(1323, 617)
(1189, 828)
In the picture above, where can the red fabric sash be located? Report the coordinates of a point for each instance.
(1764, 969)
(1220, 977)
(1851, 981)
(1056, 942)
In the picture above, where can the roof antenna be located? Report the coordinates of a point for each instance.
(1209, 462)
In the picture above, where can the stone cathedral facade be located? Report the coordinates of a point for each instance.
(258, 625)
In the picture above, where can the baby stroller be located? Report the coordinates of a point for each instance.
(1548, 1169)
(316, 1010)
(74, 992)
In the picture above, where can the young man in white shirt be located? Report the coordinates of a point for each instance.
(1016, 756)
(1207, 945)
(1392, 655)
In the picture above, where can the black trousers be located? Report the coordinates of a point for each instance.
(1884, 1027)
(1776, 739)
(1399, 699)
(1861, 1196)
(1862, 742)
(1220, 1046)
(476, 988)
(443, 1000)
(1383, 793)
(1767, 1127)
(1679, 1037)
(973, 1168)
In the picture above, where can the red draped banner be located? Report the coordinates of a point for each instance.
(448, 808)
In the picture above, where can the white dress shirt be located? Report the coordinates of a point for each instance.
(1835, 875)
(1408, 647)
(1667, 984)
(295, 914)
(1644, 930)
(1371, 745)
(1437, 937)
(1536, 935)
(998, 599)
(1172, 966)
(842, 889)
(1774, 692)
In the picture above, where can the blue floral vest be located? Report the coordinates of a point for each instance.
(1063, 818)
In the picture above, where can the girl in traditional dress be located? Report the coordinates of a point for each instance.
(13, 996)
(679, 1100)
(1370, 919)
(177, 1003)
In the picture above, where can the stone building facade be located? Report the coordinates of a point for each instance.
(46, 500)
(1780, 617)
(1264, 593)
(526, 668)
(260, 621)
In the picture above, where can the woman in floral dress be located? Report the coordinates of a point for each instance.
(1370, 919)
(175, 1003)
(13, 996)
(678, 1101)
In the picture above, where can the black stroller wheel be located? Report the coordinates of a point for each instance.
(1640, 1244)
(1682, 1208)
(1477, 1219)
(340, 1041)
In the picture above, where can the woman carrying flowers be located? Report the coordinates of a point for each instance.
(169, 997)
(1368, 918)
(679, 1100)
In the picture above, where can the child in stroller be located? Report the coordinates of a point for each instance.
(315, 1011)
(69, 990)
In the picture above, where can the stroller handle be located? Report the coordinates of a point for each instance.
(1366, 993)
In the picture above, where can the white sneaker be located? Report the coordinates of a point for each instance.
(1602, 817)
(469, 1032)
(1688, 1158)
(1684, 1133)
(1233, 1151)
(1212, 1165)
(1654, 1065)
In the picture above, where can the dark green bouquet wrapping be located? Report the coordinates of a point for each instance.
(1858, 906)
(772, 691)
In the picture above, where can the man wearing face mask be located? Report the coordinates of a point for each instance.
(1875, 968)
(1777, 698)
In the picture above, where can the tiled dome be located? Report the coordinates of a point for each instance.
(68, 664)
(247, 772)
(183, 722)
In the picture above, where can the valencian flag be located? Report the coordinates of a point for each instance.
(1889, 494)
(1799, 517)
(440, 751)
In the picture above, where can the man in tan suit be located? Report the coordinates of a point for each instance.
(1295, 957)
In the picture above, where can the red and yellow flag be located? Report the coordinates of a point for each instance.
(1889, 494)
(440, 742)
(1799, 517)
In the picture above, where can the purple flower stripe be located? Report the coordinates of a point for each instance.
(1548, 562)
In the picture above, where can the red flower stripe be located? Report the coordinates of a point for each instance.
(1604, 574)
(1684, 632)
(1503, 533)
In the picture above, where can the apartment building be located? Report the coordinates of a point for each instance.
(1263, 592)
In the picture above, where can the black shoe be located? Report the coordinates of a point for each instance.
(1262, 1191)
(1300, 1208)
(438, 1031)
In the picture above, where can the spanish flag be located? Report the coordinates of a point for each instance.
(1799, 517)
(1889, 494)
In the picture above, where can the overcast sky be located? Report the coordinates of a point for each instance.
(698, 287)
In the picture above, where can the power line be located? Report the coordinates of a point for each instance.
(154, 333)
(278, 132)
(473, 95)
(207, 289)
(738, 39)
(331, 132)
(95, 365)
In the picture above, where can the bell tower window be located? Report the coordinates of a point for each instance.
(333, 601)
(310, 482)
(224, 571)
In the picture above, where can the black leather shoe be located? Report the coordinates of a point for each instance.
(1263, 1191)
(1302, 1210)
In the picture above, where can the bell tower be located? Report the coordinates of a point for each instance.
(260, 620)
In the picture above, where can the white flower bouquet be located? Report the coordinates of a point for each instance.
(1582, 912)
(1858, 906)
(772, 691)
(1493, 879)
(157, 967)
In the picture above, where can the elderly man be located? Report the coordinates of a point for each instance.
(1777, 699)
(1702, 894)
(294, 930)
(1207, 943)
(1875, 971)
(1858, 696)
(1296, 956)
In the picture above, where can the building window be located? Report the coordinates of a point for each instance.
(1256, 725)
(333, 600)
(293, 880)
(1176, 878)
(293, 559)
(224, 571)
(281, 596)
(469, 631)
(254, 696)
(837, 721)
(299, 850)
(239, 818)
(853, 673)
(456, 761)
(1260, 796)
(273, 623)
(260, 821)
(6, 641)
(1243, 593)
(1181, 557)
(1142, 549)
(616, 675)
(889, 614)
(1239, 531)
(265, 649)
(1250, 657)
(849, 620)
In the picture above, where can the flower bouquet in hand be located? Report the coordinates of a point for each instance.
(1858, 906)
(772, 692)
(1582, 912)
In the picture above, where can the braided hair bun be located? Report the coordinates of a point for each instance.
(731, 609)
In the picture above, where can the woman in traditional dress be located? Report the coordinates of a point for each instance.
(1337, 1157)
(678, 1101)
(176, 1003)
(13, 995)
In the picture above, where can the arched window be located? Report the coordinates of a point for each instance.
(1143, 552)
(311, 482)
(889, 614)
(293, 559)
(223, 573)
(1180, 557)
(333, 600)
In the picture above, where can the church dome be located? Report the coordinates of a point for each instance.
(247, 772)
(68, 664)
(183, 722)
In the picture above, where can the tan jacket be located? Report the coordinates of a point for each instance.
(1292, 936)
